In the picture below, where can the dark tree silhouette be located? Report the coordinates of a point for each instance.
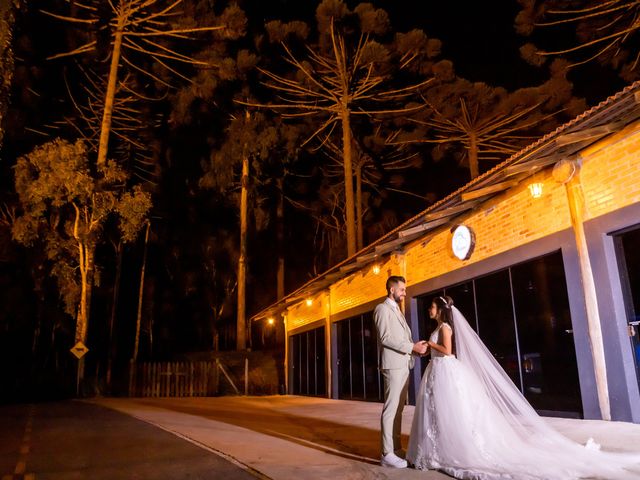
(64, 206)
(481, 125)
(606, 31)
(345, 75)
(8, 10)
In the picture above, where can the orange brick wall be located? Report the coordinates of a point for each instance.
(507, 221)
(302, 314)
(610, 180)
(611, 173)
(363, 286)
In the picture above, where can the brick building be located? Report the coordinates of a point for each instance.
(551, 281)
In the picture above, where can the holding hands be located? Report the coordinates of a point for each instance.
(421, 347)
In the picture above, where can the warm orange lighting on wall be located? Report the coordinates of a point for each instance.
(309, 302)
(376, 269)
(536, 189)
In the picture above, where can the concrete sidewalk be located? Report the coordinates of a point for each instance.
(284, 437)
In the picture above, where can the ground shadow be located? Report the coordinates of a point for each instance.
(344, 440)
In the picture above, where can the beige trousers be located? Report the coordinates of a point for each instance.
(396, 386)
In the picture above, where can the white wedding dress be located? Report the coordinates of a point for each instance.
(471, 422)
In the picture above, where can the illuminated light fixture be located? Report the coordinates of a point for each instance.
(376, 269)
(309, 302)
(270, 321)
(536, 189)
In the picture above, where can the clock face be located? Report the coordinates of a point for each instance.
(462, 242)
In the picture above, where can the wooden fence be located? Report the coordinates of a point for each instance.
(179, 379)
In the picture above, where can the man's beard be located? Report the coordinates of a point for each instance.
(398, 299)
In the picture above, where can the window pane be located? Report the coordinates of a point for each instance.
(630, 243)
(295, 364)
(495, 320)
(311, 362)
(321, 383)
(549, 366)
(344, 360)
(357, 359)
(372, 374)
(629, 265)
(304, 366)
(425, 324)
(463, 299)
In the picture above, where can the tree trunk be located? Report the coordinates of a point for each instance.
(358, 170)
(150, 318)
(280, 239)
(279, 324)
(114, 308)
(348, 180)
(7, 19)
(136, 343)
(215, 335)
(241, 337)
(82, 325)
(37, 331)
(105, 128)
(474, 169)
(86, 279)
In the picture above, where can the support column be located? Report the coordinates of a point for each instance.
(327, 343)
(568, 173)
(286, 353)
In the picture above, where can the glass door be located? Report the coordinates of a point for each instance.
(522, 314)
(357, 362)
(307, 363)
(628, 255)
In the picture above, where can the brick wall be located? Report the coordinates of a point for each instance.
(611, 172)
(363, 286)
(302, 314)
(507, 221)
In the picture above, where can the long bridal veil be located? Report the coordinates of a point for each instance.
(505, 396)
(472, 422)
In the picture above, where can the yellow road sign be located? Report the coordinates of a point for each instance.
(79, 350)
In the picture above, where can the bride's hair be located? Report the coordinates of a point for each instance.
(444, 305)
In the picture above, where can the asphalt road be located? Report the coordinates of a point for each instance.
(75, 440)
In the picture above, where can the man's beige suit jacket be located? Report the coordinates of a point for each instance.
(394, 337)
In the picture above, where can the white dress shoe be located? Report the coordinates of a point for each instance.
(393, 461)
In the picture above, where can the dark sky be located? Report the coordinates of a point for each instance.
(478, 36)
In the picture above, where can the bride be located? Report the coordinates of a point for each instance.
(472, 422)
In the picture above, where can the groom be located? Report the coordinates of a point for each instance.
(396, 359)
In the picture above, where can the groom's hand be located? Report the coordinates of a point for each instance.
(420, 347)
